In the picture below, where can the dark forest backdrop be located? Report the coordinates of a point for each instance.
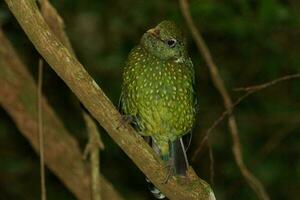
(252, 42)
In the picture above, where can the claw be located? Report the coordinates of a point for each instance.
(126, 119)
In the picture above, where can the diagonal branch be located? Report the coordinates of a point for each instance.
(268, 84)
(56, 24)
(63, 157)
(249, 90)
(253, 182)
(93, 98)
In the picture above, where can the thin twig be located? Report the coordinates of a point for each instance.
(64, 157)
(253, 182)
(216, 123)
(268, 84)
(211, 164)
(15, 79)
(205, 138)
(249, 90)
(92, 148)
(40, 127)
(94, 99)
(56, 24)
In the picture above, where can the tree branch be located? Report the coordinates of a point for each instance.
(268, 84)
(40, 131)
(63, 157)
(56, 24)
(249, 90)
(93, 98)
(92, 150)
(218, 82)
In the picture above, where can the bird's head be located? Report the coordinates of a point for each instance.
(165, 41)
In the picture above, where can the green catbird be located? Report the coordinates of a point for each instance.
(158, 93)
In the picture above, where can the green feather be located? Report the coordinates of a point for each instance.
(158, 87)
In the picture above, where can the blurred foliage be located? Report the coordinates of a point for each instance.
(252, 42)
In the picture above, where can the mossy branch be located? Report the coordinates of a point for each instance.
(93, 98)
(56, 24)
(63, 156)
(219, 84)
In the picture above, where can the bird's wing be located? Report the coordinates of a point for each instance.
(187, 138)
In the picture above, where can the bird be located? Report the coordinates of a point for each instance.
(158, 93)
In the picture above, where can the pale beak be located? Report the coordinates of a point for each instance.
(154, 32)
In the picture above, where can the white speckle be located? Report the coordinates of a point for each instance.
(68, 59)
(179, 60)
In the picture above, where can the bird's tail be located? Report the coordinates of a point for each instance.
(177, 159)
(154, 191)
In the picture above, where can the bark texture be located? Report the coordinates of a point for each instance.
(62, 154)
(94, 99)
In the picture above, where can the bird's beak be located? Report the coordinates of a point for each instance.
(154, 32)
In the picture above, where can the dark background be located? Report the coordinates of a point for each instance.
(251, 41)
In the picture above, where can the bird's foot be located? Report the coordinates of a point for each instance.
(126, 119)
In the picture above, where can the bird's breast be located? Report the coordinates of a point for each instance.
(160, 91)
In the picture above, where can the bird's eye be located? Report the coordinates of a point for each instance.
(172, 42)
